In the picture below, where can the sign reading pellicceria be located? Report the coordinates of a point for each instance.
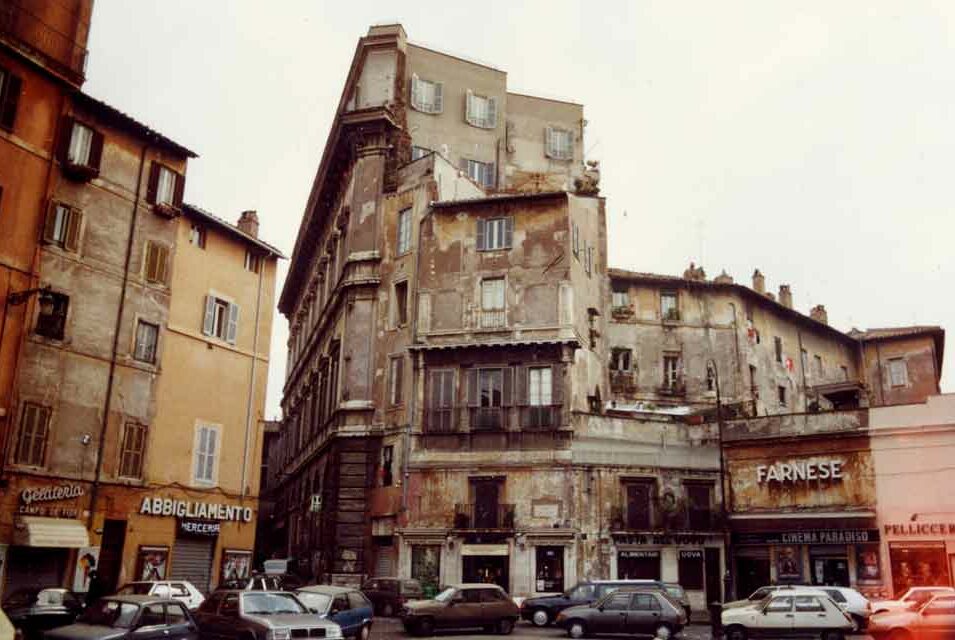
(190, 509)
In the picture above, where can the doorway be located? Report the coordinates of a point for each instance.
(487, 569)
(829, 566)
(111, 553)
(714, 577)
(751, 574)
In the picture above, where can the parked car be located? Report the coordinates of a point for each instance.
(462, 606)
(139, 617)
(649, 612)
(935, 620)
(388, 595)
(543, 610)
(850, 600)
(913, 598)
(260, 615)
(678, 593)
(346, 607)
(33, 611)
(262, 582)
(181, 590)
(787, 613)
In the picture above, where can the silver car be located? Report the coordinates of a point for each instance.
(260, 615)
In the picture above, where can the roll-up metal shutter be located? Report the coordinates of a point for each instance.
(34, 567)
(192, 561)
(385, 562)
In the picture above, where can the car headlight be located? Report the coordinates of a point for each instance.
(278, 633)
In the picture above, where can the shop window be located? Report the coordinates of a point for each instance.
(550, 569)
(426, 567)
(34, 432)
(690, 569)
(922, 565)
(51, 321)
(638, 565)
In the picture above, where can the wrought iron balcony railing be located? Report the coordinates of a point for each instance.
(477, 516)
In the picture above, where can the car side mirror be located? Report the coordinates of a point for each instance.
(600, 608)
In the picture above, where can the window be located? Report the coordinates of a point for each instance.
(34, 431)
(559, 144)
(539, 386)
(9, 97)
(778, 346)
(426, 96)
(387, 460)
(590, 260)
(175, 612)
(197, 236)
(690, 569)
(486, 395)
(620, 359)
(147, 336)
(155, 262)
(492, 303)
(618, 601)
(253, 261)
(845, 372)
(639, 496)
(481, 111)
(620, 297)
(396, 369)
(809, 604)
(672, 371)
(481, 172)
(782, 395)
(780, 605)
(441, 401)
(81, 143)
(804, 360)
(62, 226)
(898, 373)
(819, 370)
(221, 319)
(668, 306)
(165, 186)
(151, 616)
(575, 232)
(52, 324)
(134, 446)
(698, 510)
(401, 303)
(753, 383)
(550, 569)
(495, 233)
(419, 152)
(404, 231)
(207, 449)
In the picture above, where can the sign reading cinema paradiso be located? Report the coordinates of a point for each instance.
(190, 509)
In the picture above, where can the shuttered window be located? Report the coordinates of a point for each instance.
(51, 323)
(396, 372)
(426, 95)
(155, 262)
(165, 186)
(482, 173)
(539, 385)
(10, 86)
(34, 431)
(558, 143)
(63, 226)
(495, 234)
(480, 111)
(221, 319)
(206, 454)
(898, 372)
(147, 337)
(419, 152)
(404, 231)
(134, 447)
(253, 261)
(81, 144)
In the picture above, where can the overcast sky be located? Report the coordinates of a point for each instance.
(813, 140)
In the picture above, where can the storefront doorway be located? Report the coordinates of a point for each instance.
(918, 564)
(830, 566)
(550, 569)
(637, 565)
(487, 569)
(752, 572)
(111, 553)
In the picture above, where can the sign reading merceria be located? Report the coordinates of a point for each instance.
(190, 509)
(788, 472)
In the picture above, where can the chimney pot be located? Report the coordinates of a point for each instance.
(785, 296)
(759, 282)
(249, 223)
(818, 313)
(723, 278)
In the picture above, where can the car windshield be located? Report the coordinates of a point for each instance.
(270, 604)
(136, 588)
(317, 602)
(675, 590)
(110, 613)
(445, 595)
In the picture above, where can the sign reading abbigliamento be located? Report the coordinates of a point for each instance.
(190, 509)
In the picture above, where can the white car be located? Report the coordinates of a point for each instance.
(181, 590)
(788, 613)
(853, 602)
(914, 597)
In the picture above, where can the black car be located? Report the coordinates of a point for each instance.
(34, 611)
(543, 610)
(646, 612)
(388, 595)
(122, 617)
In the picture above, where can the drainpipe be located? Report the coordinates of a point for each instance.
(94, 490)
(251, 398)
(739, 363)
(802, 367)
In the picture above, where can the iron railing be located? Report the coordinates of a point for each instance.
(478, 516)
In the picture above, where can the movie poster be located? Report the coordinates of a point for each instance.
(87, 561)
(236, 564)
(788, 563)
(151, 563)
(867, 563)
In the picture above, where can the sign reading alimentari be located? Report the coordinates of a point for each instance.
(190, 509)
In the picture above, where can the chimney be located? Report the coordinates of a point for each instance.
(249, 223)
(818, 313)
(759, 282)
(723, 278)
(785, 296)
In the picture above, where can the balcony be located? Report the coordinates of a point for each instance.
(442, 420)
(622, 382)
(658, 519)
(675, 387)
(476, 516)
(540, 417)
(36, 38)
(488, 418)
(493, 319)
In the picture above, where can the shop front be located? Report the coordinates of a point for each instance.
(919, 553)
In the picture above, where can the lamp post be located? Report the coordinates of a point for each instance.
(724, 517)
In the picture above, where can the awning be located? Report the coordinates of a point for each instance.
(34, 531)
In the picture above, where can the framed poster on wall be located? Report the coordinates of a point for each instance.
(87, 561)
(151, 563)
(868, 568)
(789, 563)
(236, 564)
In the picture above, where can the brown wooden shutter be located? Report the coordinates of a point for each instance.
(557, 384)
(473, 394)
(162, 263)
(508, 231)
(481, 234)
(180, 187)
(96, 151)
(73, 227)
(520, 384)
(149, 267)
(66, 135)
(507, 392)
(49, 226)
(153, 185)
(9, 100)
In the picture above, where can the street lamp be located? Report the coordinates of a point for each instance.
(724, 517)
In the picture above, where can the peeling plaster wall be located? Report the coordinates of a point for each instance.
(527, 120)
(918, 353)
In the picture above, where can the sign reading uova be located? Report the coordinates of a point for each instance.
(190, 509)
(791, 472)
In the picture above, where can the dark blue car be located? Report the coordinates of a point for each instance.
(347, 607)
(543, 610)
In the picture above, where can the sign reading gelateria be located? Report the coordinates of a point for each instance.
(50, 493)
(789, 472)
(190, 509)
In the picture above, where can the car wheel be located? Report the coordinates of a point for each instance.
(736, 633)
(364, 633)
(576, 629)
(832, 634)
(540, 618)
(505, 626)
(426, 627)
(858, 623)
(387, 610)
(663, 632)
